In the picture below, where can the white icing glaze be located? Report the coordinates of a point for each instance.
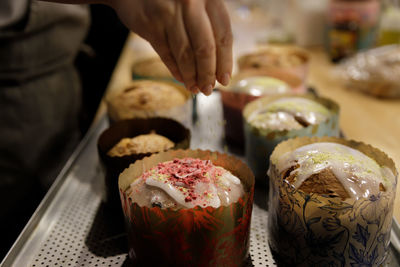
(261, 85)
(359, 174)
(212, 195)
(229, 188)
(278, 121)
(155, 187)
(230, 177)
(285, 113)
(172, 191)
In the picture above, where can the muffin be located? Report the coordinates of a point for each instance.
(331, 203)
(184, 184)
(288, 113)
(146, 99)
(290, 59)
(270, 120)
(151, 68)
(144, 143)
(244, 88)
(129, 140)
(188, 206)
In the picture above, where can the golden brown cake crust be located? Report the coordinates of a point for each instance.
(147, 143)
(151, 67)
(144, 96)
(323, 183)
(278, 57)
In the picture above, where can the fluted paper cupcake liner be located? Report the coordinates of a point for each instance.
(189, 237)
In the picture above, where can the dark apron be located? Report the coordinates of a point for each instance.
(39, 102)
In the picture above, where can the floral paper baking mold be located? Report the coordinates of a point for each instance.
(316, 230)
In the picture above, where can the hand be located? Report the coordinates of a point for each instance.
(192, 37)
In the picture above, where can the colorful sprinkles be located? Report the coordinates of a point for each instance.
(184, 174)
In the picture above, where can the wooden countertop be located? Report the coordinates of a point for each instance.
(362, 118)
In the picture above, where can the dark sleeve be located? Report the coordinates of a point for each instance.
(11, 11)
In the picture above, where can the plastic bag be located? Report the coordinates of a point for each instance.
(375, 72)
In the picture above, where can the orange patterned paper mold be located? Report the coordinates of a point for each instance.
(198, 236)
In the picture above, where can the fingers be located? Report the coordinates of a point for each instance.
(181, 49)
(221, 25)
(160, 45)
(200, 33)
(192, 37)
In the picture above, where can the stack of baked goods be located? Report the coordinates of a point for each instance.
(330, 200)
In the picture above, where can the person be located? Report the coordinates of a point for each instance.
(39, 103)
(193, 37)
(40, 90)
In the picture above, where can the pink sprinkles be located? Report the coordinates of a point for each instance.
(186, 173)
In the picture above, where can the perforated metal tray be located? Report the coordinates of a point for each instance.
(72, 228)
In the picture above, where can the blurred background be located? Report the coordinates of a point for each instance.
(344, 49)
